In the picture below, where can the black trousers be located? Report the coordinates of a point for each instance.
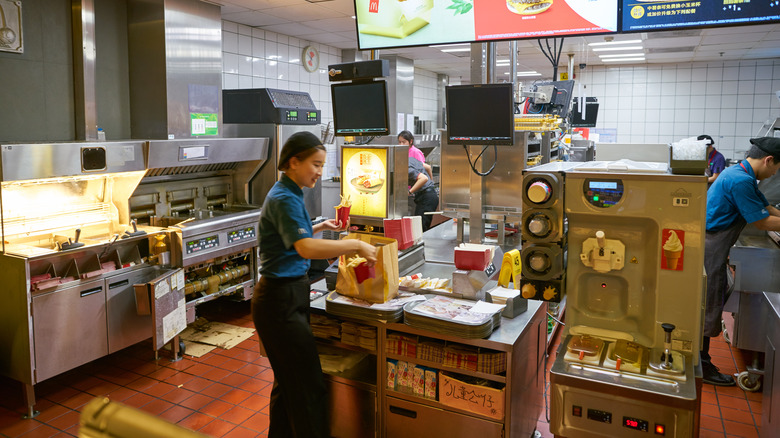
(280, 310)
(424, 201)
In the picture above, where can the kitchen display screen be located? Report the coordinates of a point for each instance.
(383, 24)
(645, 15)
(480, 114)
(360, 108)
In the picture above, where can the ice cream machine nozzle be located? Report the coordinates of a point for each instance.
(602, 254)
(666, 357)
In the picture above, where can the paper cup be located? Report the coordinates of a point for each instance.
(342, 214)
(364, 272)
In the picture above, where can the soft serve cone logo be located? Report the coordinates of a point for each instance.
(673, 249)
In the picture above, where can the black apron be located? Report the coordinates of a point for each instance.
(717, 245)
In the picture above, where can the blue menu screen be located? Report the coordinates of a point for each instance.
(641, 15)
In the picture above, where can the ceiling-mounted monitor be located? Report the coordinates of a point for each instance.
(644, 15)
(360, 108)
(480, 114)
(385, 24)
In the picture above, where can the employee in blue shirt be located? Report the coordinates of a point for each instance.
(733, 201)
(280, 305)
(716, 162)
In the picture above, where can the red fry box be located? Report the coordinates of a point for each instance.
(364, 272)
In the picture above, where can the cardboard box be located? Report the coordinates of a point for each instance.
(431, 383)
(392, 369)
(473, 398)
(418, 382)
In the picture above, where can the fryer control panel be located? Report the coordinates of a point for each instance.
(202, 244)
(241, 234)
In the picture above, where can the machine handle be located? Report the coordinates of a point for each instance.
(668, 328)
(124, 282)
(92, 291)
(401, 411)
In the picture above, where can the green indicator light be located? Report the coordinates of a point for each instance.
(595, 198)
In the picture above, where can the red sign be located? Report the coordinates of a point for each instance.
(672, 249)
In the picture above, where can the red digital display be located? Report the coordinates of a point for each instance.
(635, 423)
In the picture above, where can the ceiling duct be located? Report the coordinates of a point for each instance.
(673, 34)
(175, 54)
(657, 50)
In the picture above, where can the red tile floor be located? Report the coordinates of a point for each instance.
(225, 393)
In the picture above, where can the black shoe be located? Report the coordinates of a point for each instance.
(714, 377)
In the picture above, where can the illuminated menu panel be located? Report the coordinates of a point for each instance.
(423, 22)
(641, 15)
(364, 181)
(199, 245)
(242, 234)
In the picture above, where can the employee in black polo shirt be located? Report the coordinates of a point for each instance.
(421, 187)
(280, 305)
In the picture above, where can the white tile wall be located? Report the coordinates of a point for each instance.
(663, 103)
(254, 58)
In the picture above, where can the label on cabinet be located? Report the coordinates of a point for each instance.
(474, 398)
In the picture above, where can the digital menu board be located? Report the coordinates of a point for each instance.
(364, 180)
(404, 23)
(643, 15)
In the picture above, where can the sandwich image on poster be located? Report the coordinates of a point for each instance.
(495, 20)
(402, 23)
(364, 177)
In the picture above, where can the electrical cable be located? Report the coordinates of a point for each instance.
(472, 164)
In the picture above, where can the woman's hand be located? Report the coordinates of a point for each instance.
(368, 252)
(329, 224)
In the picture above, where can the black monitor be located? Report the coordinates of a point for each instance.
(360, 108)
(480, 114)
(591, 113)
(560, 99)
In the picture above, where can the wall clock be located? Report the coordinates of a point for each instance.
(310, 59)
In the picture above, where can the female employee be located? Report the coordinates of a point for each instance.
(406, 138)
(280, 305)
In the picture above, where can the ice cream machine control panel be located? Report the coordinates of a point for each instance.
(603, 193)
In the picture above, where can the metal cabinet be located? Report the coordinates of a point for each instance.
(125, 326)
(770, 420)
(69, 328)
(405, 419)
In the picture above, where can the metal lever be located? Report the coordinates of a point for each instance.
(72, 244)
(135, 231)
(666, 357)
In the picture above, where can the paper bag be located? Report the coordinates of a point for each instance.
(384, 284)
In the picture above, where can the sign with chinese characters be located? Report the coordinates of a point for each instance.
(641, 15)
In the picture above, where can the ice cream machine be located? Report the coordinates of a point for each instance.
(624, 245)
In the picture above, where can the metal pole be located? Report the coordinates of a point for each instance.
(571, 66)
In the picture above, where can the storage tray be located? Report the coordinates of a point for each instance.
(442, 324)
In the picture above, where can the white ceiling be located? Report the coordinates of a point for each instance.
(330, 22)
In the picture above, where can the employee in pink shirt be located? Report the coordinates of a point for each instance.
(406, 138)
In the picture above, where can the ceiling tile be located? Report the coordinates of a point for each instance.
(304, 12)
(297, 29)
(253, 18)
(342, 24)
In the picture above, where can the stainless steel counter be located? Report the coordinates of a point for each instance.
(771, 413)
(755, 258)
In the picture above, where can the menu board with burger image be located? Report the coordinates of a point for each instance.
(403, 23)
(641, 15)
(364, 181)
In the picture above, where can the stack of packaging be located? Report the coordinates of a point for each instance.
(403, 345)
(412, 379)
(461, 356)
(324, 327)
(359, 335)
